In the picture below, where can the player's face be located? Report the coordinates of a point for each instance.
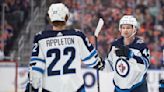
(127, 30)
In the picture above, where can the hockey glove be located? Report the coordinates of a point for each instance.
(29, 88)
(100, 65)
(124, 51)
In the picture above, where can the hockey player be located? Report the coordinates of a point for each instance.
(58, 54)
(129, 58)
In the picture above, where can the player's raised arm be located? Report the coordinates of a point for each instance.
(88, 53)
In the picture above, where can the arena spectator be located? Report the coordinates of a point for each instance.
(148, 12)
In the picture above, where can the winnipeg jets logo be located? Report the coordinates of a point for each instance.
(122, 67)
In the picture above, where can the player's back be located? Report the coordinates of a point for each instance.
(62, 53)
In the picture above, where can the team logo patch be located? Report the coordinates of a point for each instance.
(122, 67)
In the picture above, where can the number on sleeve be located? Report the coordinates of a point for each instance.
(35, 49)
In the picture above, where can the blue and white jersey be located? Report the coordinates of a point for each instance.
(129, 73)
(58, 56)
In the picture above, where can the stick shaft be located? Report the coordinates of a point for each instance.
(98, 29)
(96, 46)
(96, 42)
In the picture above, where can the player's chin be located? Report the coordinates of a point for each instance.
(125, 35)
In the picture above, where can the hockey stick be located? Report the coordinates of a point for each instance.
(30, 77)
(98, 28)
(30, 80)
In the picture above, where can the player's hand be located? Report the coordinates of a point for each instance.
(124, 51)
(101, 64)
(29, 88)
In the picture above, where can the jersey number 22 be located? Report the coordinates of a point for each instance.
(66, 69)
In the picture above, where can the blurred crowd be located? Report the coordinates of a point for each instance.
(149, 13)
(15, 12)
(85, 14)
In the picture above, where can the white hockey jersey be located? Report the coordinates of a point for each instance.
(58, 56)
(129, 73)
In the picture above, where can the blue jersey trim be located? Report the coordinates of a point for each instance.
(138, 59)
(83, 90)
(38, 69)
(128, 90)
(120, 90)
(90, 56)
(145, 62)
(38, 59)
(92, 63)
(142, 60)
(161, 85)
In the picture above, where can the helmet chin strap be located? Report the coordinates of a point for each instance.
(132, 35)
(129, 39)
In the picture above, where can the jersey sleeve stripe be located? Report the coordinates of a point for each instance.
(142, 60)
(90, 56)
(96, 55)
(38, 69)
(145, 62)
(161, 85)
(93, 64)
(139, 59)
(38, 59)
(147, 59)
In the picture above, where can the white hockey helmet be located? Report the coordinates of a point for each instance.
(129, 19)
(58, 12)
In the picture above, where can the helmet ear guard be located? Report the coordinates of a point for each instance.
(129, 19)
(58, 12)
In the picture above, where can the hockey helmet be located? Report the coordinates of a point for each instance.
(129, 19)
(58, 12)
